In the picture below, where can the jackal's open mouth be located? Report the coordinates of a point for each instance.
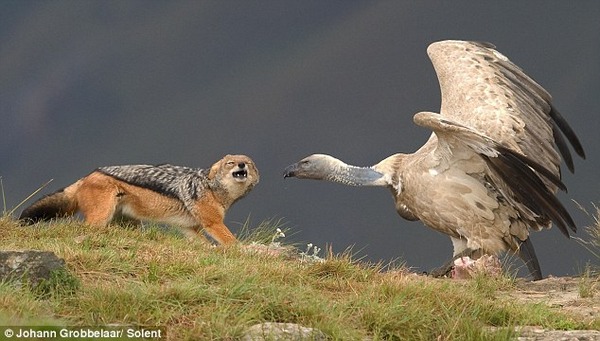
(241, 174)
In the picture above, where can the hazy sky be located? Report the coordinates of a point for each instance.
(92, 83)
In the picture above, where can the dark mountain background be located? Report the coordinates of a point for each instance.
(92, 83)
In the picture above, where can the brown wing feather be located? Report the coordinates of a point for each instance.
(485, 91)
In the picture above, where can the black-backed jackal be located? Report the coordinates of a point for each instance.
(193, 199)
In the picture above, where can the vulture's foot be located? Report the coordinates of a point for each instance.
(446, 269)
(443, 271)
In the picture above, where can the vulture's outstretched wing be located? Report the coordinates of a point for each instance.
(490, 107)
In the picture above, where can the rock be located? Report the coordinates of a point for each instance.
(465, 267)
(273, 249)
(536, 333)
(42, 271)
(282, 331)
(531, 333)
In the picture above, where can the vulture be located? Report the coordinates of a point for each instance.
(490, 170)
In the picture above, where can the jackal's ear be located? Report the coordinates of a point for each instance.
(214, 169)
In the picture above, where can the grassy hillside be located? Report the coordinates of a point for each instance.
(149, 277)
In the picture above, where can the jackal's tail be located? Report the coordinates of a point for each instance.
(55, 205)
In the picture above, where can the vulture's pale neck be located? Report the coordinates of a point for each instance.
(355, 176)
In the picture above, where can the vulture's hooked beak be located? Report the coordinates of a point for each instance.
(290, 171)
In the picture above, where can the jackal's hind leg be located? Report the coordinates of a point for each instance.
(97, 205)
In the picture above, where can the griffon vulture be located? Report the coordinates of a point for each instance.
(491, 168)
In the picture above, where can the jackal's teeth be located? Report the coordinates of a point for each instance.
(240, 174)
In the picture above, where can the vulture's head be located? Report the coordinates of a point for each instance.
(316, 166)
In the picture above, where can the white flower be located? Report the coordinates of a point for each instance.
(316, 250)
(278, 234)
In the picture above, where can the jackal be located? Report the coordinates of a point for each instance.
(192, 199)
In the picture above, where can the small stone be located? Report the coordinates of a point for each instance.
(282, 331)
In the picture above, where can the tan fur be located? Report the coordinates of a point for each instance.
(101, 198)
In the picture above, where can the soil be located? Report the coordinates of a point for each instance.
(575, 296)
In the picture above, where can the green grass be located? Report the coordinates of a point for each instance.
(589, 282)
(148, 277)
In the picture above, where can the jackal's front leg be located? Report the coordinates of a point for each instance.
(220, 233)
(211, 219)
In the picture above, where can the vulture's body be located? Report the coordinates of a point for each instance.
(491, 168)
